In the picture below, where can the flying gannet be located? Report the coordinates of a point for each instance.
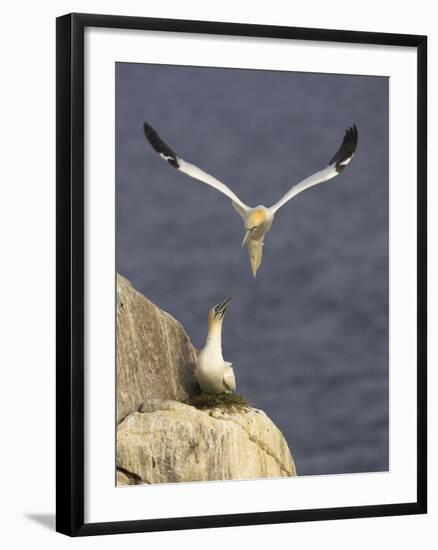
(213, 374)
(257, 220)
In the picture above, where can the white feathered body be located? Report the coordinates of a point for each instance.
(213, 374)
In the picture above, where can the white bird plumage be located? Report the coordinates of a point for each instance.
(257, 220)
(213, 374)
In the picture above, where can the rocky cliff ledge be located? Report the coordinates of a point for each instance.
(155, 358)
(159, 438)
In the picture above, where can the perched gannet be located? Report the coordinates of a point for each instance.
(213, 374)
(257, 220)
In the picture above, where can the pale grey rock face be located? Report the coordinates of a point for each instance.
(126, 478)
(172, 442)
(155, 358)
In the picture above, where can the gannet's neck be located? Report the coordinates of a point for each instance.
(214, 337)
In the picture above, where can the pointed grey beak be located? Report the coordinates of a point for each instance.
(221, 309)
(247, 236)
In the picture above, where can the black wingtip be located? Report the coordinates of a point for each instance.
(347, 148)
(159, 146)
(148, 130)
(151, 135)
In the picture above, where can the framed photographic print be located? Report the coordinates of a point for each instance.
(241, 274)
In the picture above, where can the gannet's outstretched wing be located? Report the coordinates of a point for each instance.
(335, 167)
(191, 170)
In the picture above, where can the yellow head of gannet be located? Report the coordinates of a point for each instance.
(216, 315)
(255, 220)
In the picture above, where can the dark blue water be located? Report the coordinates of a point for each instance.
(309, 337)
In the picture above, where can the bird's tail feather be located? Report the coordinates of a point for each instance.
(255, 249)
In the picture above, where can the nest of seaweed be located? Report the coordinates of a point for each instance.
(224, 400)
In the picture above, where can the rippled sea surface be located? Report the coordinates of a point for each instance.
(308, 337)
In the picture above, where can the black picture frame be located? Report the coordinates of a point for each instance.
(70, 273)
